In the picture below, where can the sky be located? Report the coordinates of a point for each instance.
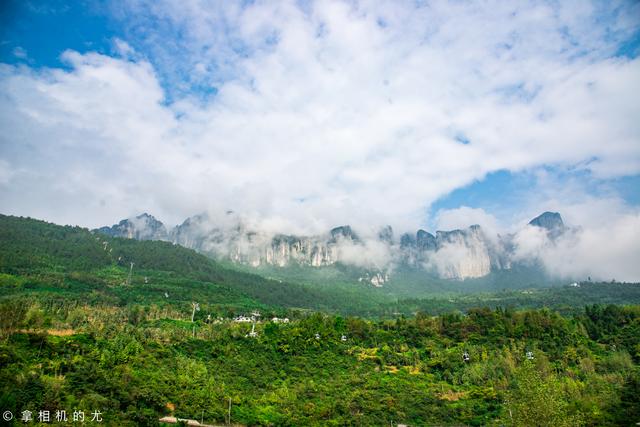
(307, 115)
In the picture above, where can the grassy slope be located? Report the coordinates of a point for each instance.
(50, 261)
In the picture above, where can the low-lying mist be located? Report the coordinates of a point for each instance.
(599, 251)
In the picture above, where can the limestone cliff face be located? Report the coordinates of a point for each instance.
(196, 233)
(142, 227)
(313, 251)
(256, 248)
(455, 254)
(462, 254)
(282, 250)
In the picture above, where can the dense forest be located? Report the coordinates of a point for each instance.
(83, 329)
(136, 364)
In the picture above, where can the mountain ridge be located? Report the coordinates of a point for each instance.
(451, 254)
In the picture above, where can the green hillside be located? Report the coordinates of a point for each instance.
(82, 330)
(45, 261)
(137, 364)
(69, 261)
(405, 281)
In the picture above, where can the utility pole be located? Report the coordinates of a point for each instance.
(195, 306)
(130, 271)
(229, 416)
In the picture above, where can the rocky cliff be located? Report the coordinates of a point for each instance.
(141, 227)
(551, 222)
(455, 254)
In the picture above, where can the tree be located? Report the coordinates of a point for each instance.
(536, 400)
(629, 407)
(11, 317)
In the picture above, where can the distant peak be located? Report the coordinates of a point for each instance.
(343, 231)
(141, 227)
(146, 216)
(548, 221)
(425, 240)
(386, 234)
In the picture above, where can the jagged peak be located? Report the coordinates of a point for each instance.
(142, 227)
(343, 231)
(422, 233)
(197, 219)
(407, 239)
(148, 218)
(548, 220)
(425, 240)
(444, 233)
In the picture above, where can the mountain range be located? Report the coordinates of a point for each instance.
(455, 254)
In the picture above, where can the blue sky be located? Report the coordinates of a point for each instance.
(44, 30)
(504, 193)
(307, 115)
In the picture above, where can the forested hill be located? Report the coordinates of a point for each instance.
(46, 252)
(80, 329)
(29, 244)
(47, 261)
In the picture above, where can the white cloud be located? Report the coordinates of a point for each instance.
(607, 252)
(464, 216)
(457, 261)
(326, 114)
(123, 49)
(370, 254)
(20, 52)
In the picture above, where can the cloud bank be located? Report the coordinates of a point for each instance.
(603, 253)
(604, 250)
(304, 116)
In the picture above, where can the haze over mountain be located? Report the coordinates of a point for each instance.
(320, 113)
(470, 252)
